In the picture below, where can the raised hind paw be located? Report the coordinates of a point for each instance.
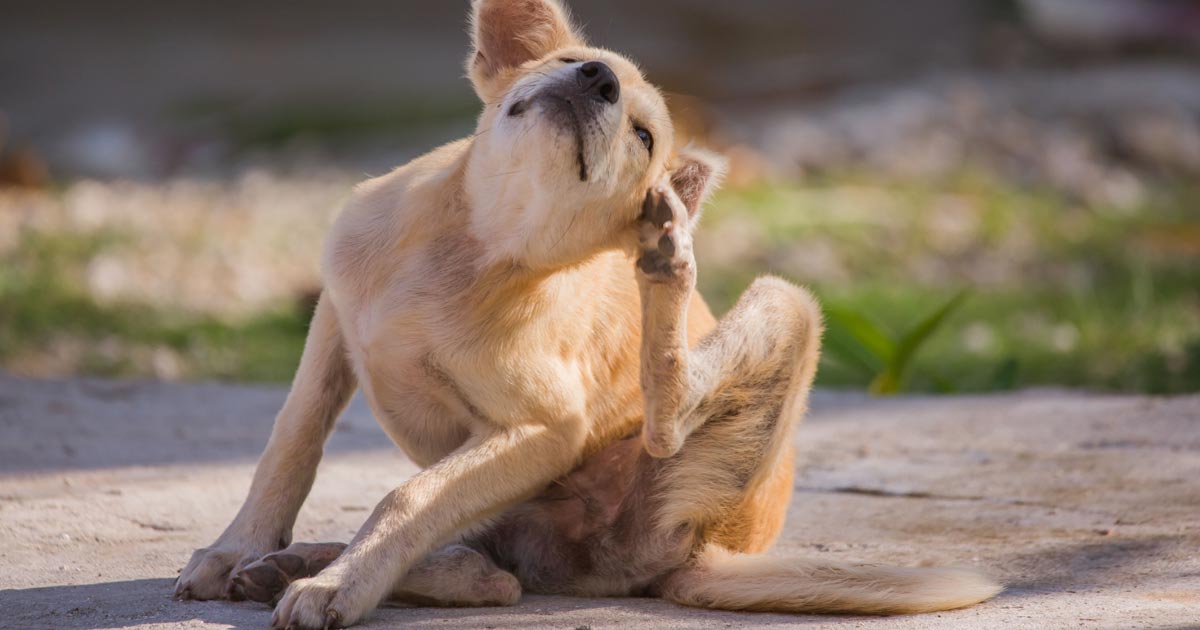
(665, 239)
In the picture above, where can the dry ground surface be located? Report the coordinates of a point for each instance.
(1087, 506)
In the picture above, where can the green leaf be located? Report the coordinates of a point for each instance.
(893, 378)
(864, 331)
(886, 384)
(840, 347)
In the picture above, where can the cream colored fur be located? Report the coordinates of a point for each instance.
(730, 581)
(484, 298)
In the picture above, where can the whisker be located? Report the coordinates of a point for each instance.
(520, 138)
(570, 225)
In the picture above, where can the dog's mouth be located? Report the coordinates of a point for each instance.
(578, 131)
(563, 112)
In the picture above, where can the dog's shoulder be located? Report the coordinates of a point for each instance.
(398, 212)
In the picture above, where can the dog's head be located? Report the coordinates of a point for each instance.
(570, 140)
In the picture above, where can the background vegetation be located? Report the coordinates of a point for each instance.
(1018, 288)
(985, 194)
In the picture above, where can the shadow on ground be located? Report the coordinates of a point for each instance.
(1063, 569)
(118, 604)
(91, 424)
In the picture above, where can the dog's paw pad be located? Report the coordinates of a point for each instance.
(265, 579)
(656, 209)
(666, 246)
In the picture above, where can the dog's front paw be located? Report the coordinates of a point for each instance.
(209, 573)
(665, 239)
(319, 603)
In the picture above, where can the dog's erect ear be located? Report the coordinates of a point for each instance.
(695, 175)
(508, 33)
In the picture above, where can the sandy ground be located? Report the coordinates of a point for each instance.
(1088, 507)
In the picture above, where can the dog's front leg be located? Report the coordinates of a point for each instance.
(487, 474)
(287, 468)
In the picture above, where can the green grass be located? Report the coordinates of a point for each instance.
(45, 317)
(1060, 294)
(1057, 292)
(1041, 337)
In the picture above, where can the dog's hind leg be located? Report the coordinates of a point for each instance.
(732, 480)
(723, 414)
(766, 348)
(727, 443)
(455, 575)
(731, 403)
(744, 390)
(732, 477)
(287, 468)
(265, 579)
(748, 386)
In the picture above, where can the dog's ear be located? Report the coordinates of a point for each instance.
(695, 174)
(508, 33)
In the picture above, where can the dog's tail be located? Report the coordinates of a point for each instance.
(728, 581)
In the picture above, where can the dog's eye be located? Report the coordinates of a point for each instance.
(569, 60)
(646, 138)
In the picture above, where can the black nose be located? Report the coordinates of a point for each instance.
(599, 81)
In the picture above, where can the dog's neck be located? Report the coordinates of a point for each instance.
(539, 222)
(507, 295)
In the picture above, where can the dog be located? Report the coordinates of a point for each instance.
(519, 310)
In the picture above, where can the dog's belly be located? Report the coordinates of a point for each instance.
(593, 532)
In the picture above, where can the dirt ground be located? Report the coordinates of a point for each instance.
(1088, 507)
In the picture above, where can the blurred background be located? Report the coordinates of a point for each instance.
(985, 194)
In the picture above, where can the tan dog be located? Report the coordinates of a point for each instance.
(514, 307)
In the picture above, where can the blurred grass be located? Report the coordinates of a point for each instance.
(1060, 293)
(49, 324)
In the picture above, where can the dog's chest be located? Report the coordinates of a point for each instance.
(440, 346)
(419, 350)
